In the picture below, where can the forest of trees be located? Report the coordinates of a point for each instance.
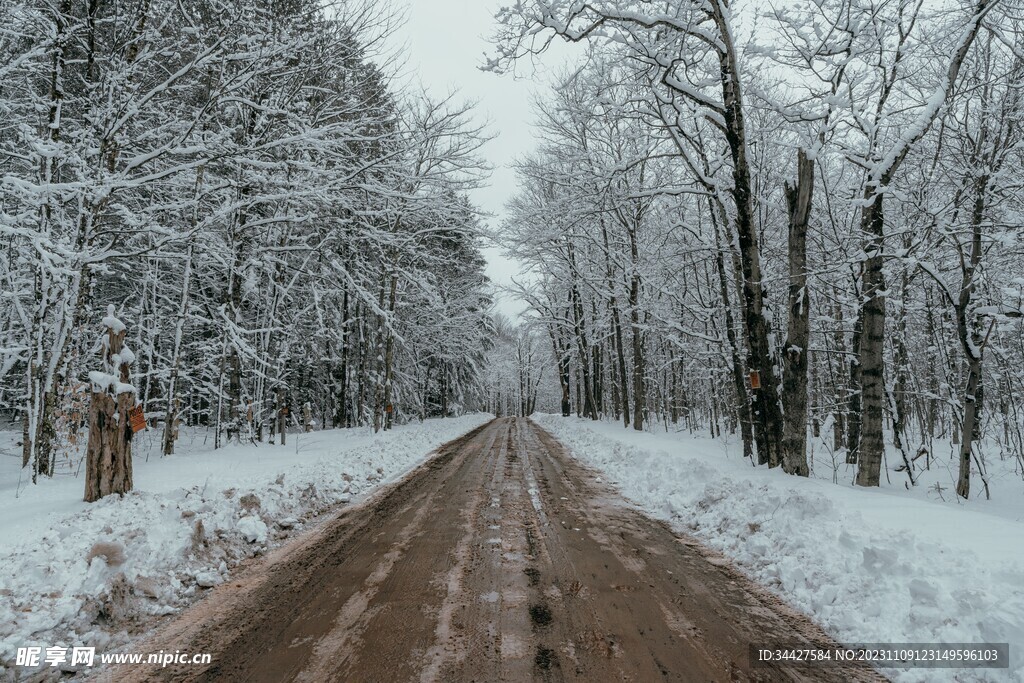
(815, 228)
(282, 232)
(780, 222)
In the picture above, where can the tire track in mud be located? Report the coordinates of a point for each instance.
(500, 559)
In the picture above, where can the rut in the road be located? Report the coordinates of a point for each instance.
(501, 559)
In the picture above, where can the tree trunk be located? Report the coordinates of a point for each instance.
(171, 417)
(360, 374)
(38, 429)
(342, 415)
(389, 356)
(282, 413)
(901, 364)
(970, 340)
(794, 376)
(579, 323)
(872, 444)
(620, 357)
(596, 352)
(620, 353)
(639, 390)
(108, 456)
(563, 370)
(639, 368)
(378, 391)
(871, 366)
(738, 372)
(767, 413)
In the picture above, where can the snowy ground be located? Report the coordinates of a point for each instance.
(871, 566)
(73, 573)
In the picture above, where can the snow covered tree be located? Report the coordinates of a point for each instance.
(689, 183)
(280, 225)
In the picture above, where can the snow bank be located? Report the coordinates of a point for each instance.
(73, 573)
(868, 565)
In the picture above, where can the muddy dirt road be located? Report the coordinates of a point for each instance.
(501, 559)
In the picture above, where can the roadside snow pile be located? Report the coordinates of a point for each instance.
(870, 567)
(93, 574)
(253, 529)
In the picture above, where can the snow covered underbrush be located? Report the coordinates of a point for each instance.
(870, 566)
(75, 573)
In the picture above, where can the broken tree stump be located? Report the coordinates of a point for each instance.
(108, 456)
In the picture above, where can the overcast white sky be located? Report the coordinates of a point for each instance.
(446, 41)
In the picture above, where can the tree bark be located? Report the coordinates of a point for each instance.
(563, 370)
(108, 456)
(738, 371)
(171, 416)
(579, 324)
(794, 376)
(971, 341)
(767, 413)
(620, 353)
(342, 414)
(389, 356)
(639, 368)
(872, 365)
